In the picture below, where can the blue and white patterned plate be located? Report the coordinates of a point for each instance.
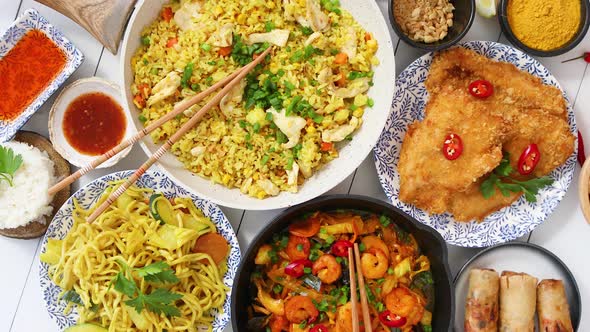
(32, 20)
(507, 224)
(88, 195)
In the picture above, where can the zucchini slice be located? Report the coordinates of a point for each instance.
(161, 209)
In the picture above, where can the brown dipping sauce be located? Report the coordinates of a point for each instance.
(26, 71)
(94, 123)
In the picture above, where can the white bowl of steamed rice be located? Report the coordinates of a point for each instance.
(293, 129)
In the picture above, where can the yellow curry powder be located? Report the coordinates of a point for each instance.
(544, 24)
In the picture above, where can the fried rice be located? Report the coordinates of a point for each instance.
(287, 118)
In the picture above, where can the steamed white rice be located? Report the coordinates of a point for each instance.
(28, 199)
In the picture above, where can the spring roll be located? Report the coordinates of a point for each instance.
(518, 297)
(481, 306)
(552, 307)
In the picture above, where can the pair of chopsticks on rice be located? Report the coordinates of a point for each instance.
(229, 82)
(354, 260)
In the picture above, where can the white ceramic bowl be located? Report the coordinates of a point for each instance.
(56, 116)
(368, 14)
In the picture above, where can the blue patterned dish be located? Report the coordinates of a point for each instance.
(507, 224)
(88, 195)
(30, 20)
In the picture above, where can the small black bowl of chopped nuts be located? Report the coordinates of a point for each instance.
(431, 25)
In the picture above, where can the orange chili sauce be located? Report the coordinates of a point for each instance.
(26, 70)
(94, 123)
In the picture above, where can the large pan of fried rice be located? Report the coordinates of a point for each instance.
(295, 127)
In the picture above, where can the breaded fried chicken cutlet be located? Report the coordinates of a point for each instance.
(488, 129)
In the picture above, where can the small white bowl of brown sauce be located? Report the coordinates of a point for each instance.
(87, 120)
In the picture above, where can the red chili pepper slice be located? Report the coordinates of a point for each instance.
(452, 147)
(481, 89)
(391, 320)
(340, 248)
(296, 268)
(319, 328)
(529, 159)
(581, 151)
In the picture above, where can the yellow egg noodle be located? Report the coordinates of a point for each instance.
(91, 255)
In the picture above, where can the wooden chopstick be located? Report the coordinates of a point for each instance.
(178, 109)
(174, 138)
(353, 299)
(362, 291)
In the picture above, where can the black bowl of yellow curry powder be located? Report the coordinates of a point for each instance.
(544, 27)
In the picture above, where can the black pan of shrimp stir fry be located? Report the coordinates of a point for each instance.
(298, 273)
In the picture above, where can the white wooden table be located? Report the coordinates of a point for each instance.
(565, 232)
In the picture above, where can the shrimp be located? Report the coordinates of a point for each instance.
(374, 263)
(344, 318)
(373, 241)
(405, 303)
(278, 323)
(327, 269)
(299, 309)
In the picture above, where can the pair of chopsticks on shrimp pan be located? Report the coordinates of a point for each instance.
(229, 82)
(354, 259)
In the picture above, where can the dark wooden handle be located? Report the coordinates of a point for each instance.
(104, 19)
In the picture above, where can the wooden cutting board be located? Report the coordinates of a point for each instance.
(104, 19)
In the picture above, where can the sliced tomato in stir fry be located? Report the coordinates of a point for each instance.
(298, 247)
(340, 248)
(296, 268)
(390, 320)
(529, 159)
(481, 89)
(305, 228)
(452, 147)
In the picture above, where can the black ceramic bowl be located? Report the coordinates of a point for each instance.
(579, 36)
(463, 16)
(430, 242)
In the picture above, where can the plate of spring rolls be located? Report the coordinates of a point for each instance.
(516, 287)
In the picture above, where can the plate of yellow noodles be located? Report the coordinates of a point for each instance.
(294, 127)
(157, 259)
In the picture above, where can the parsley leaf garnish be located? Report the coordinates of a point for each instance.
(159, 301)
(159, 272)
(499, 179)
(124, 285)
(9, 164)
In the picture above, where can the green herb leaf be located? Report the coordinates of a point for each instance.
(384, 220)
(306, 31)
(504, 168)
(487, 187)
(269, 26)
(124, 285)
(159, 272)
(9, 164)
(186, 75)
(277, 289)
(145, 40)
(72, 296)
(206, 47)
(158, 302)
